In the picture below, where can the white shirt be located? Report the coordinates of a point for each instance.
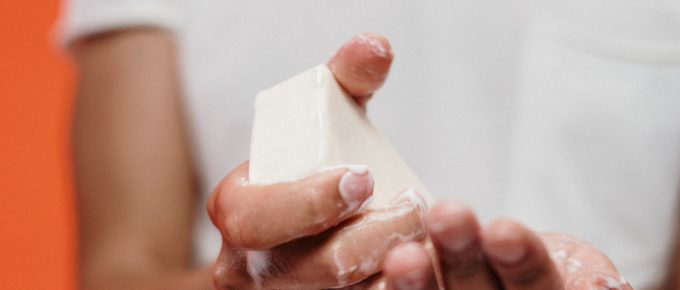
(562, 114)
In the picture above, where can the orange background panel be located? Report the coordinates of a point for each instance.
(37, 220)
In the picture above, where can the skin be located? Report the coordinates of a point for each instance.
(501, 255)
(311, 238)
(137, 191)
(134, 175)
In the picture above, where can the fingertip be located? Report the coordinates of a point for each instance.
(355, 188)
(378, 44)
(239, 176)
(519, 257)
(408, 266)
(243, 168)
(367, 47)
(505, 241)
(353, 185)
(211, 206)
(405, 258)
(362, 64)
(411, 196)
(452, 225)
(450, 210)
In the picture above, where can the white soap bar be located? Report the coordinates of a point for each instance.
(309, 123)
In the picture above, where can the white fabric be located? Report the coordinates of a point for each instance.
(90, 17)
(563, 114)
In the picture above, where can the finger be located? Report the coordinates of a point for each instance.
(519, 257)
(259, 217)
(455, 234)
(345, 255)
(581, 265)
(229, 270)
(362, 64)
(408, 266)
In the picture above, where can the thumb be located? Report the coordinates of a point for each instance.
(362, 64)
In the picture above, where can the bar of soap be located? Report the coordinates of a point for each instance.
(309, 123)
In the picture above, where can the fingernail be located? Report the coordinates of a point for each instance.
(453, 228)
(356, 186)
(413, 197)
(509, 248)
(376, 45)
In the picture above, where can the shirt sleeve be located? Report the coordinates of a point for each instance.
(81, 18)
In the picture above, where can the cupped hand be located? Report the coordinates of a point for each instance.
(313, 233)
(503, 255)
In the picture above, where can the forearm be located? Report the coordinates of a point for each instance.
(133, 170)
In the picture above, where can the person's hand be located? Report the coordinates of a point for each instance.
(311, 234)
(306, 234)
(502, 255)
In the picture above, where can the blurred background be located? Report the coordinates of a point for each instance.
(37, 229)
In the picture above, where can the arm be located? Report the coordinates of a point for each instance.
(132, 164)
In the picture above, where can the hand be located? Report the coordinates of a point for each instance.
(503, 255)
(311, 233)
